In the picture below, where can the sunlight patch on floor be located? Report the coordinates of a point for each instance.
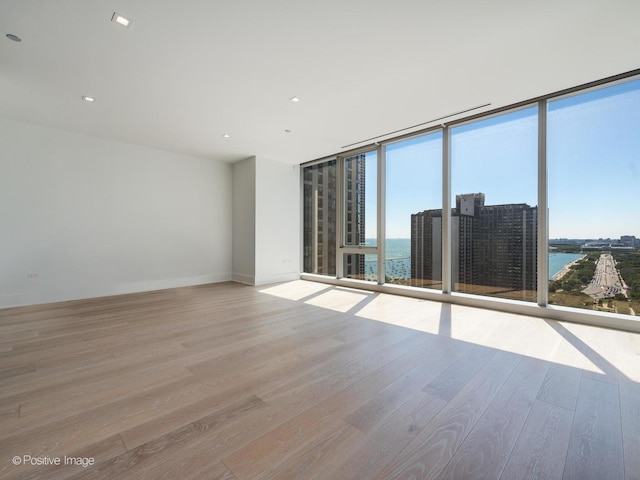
(598, 350)
(339, 299)
(295, 290)
(406, 312)
(493, 329)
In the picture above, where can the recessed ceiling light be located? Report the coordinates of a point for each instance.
(13, 37)
(88, 99)
(294, 99)
(226, 135)
(121, 20)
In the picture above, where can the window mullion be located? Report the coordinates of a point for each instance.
(382, 171)
(446, 210)
(543, 211)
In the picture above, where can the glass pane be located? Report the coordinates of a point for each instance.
(319, 229)
(594, 199)
(413, 250)
(361, 266)
(360, 199)
(494, 198)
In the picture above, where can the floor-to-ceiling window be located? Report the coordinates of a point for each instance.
(359, 215)
(549, 186)
(494, 217)
(413, 188)
(593, 162)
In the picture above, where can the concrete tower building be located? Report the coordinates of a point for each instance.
(492, 245)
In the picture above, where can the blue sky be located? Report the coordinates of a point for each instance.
(593, 166)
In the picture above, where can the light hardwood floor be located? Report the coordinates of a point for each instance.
(305, 380)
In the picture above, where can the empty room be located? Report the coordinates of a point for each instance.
(251, 240)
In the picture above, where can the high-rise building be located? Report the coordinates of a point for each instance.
(320, 217)
(319, 231)
(491, 245)
(354, 216)
(426, 247)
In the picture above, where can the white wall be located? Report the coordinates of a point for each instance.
(266, 221)
(91, 217)
(244, 213)
(277, 221)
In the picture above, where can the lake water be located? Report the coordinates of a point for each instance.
(557, 261)
(398, 264)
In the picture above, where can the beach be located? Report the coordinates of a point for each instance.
(566, 268)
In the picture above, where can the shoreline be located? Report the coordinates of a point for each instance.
(567, 267)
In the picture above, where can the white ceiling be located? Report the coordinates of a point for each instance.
(188, 71)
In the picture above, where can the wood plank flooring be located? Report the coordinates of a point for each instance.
(309, 381)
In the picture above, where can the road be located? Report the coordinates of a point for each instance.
(605, 282)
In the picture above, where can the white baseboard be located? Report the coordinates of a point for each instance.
(63, 294)
(277, 278)
(241, 278)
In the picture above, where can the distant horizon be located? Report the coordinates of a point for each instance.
(550, 240)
